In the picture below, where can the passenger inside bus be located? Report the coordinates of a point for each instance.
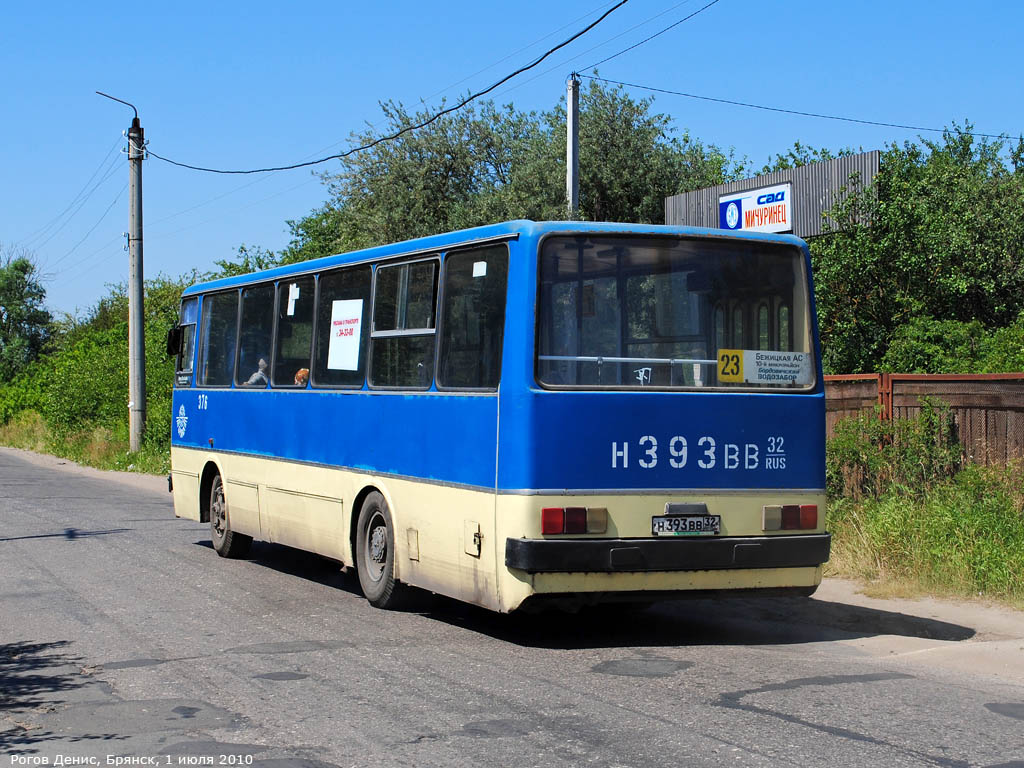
(259, 377)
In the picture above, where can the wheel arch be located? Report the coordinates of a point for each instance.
(353, 523)
(210, 470)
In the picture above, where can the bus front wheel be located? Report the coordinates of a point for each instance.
(226, 543)
(375, 553)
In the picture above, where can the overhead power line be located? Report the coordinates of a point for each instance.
(66, 274)
(425, 99)
(515, 53)
(407, 129)
(788, 111)
(78, 206)
(648, 39)
(568, 60)
(332, 145)
(49, 225)
(91, 230)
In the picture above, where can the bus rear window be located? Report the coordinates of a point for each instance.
(625, 312)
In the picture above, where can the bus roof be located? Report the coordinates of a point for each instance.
(504, 230)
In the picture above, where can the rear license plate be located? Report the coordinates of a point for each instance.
(686, 525)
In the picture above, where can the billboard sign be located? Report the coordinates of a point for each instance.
(767, 209)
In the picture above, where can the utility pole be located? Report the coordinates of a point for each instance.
(572, 146)
(136, 317)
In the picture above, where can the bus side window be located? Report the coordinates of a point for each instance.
(294, 341)
(342, 328)
(217, 344)
(254, 335)
(402, 338)
(187, 323)
(473, 318)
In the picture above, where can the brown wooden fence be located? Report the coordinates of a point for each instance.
(988, 408)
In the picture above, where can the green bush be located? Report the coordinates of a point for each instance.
(89, 382)
(25, 391)
(927, 345)
(80, 386)
(867, 456)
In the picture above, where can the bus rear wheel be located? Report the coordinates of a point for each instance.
(226, 543)
(375, 554)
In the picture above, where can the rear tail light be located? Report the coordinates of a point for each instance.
(575, 519)
(552, 520)
(789, 517)
(597, 520)
(555, 520)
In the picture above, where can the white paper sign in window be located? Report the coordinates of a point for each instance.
(346, 326)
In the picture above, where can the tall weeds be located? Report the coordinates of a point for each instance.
(906, 512)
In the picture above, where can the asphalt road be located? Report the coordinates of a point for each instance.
(123, 637)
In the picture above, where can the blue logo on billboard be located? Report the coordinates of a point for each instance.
(776, 197)
(730, 214)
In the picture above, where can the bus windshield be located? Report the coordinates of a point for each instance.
(633, 312)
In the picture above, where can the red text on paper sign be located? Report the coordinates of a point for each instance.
(345, 327)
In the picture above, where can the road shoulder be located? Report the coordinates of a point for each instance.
(995, 647)
(155, 483)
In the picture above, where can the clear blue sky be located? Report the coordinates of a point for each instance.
(242, 85)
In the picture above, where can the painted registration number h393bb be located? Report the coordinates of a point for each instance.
(686, 525)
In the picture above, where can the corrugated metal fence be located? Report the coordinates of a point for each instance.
(988, 408)
(816, 188)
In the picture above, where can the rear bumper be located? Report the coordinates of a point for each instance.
(675, 554)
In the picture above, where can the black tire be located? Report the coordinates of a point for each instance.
(375, 554)
(226, 543)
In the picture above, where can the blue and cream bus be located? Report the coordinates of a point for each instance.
(519, 413)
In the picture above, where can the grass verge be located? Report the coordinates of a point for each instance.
(98, 446)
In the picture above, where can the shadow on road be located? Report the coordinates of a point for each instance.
(69, 534)
(31, 676)
(736, 621)
(26, 673)
(732, 621)
(296, 562)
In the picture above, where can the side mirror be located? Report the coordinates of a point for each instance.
(174, 341)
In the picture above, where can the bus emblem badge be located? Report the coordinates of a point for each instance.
(181, 421)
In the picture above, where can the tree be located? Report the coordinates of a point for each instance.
(800, 155)
(486, 163)
(250, 259)
(926, 345)
(438, 178)
(86, 366)
(629, 159)
(24, 321)
(940, 233)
